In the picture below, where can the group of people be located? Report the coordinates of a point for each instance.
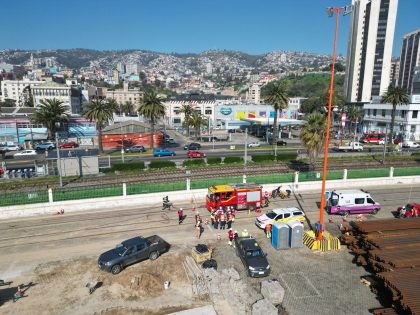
(222, 218)
(408, 213)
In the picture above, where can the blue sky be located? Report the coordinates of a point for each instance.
(253, 26)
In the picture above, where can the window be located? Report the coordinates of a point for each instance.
(279, 217)
(370, 200)
(297, 213)
(208, 111)
(359, 201)
(403, 113)
(383, 112)
(368, 112)
(177, 120)
(374, 112)
(286, 215)
(415, 113)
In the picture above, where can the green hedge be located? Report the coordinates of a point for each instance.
(262, 157)
(193, 162)
(162, 164)
(128, 166)
(214, 160)
(287, 156)
(233, 159)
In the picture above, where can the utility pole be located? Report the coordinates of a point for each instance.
(385, 142)
(58, 159)
(246, 146)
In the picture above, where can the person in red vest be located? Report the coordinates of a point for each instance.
(222, 221)
(180, 215)
(232, 212)
(230, 236)
(268, 230)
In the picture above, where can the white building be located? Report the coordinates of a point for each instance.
(409, 60)
(132, 68)
(209, 68)
(369, 49)
(125, 95)
(17, 90)
(254, 94)
(407, 118)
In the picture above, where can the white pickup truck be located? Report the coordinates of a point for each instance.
(350, 146)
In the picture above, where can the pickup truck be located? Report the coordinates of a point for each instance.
(252, 257)
(132, 251)
(350, 146)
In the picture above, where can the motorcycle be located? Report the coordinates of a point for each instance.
(282, 192)
(166, 204)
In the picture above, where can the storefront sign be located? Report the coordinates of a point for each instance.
(226, 110)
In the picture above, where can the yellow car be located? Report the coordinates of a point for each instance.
(280, 215)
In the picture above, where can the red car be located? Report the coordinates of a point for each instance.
(410, 210)
(68, 145)
(195, 154)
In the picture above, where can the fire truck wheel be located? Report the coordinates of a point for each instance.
(252, 207)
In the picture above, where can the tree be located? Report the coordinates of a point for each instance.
(101, 112)
(395, 96)
(151, 108)
(354, 115)
(187, 110)
(8, 102)
(49, 113)
(313, 134)
(128, 108)
(197, 121)
(311, 104)
(275, 95)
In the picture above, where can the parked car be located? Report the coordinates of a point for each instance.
(10, 147)
(68, 145)
(135, 149)
(410, 144)
(25, 153)
(350, 146)
(192, 146)
(281, 143)
(253, 145)
(195, 154)
(163, 152)
(381, 142)
(252, 256)
(347, 202)
(170, 140)
(280, 215)
(132, 251)
(45, 146)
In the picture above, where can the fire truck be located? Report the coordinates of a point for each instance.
(240, 196)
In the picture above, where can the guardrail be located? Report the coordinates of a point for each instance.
(99, 191)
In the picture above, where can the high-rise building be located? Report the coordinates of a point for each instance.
(369, 49)
(409, 60)
(393, 74)
(132, 68)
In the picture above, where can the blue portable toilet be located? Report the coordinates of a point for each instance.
(280, 235)
(296, 234)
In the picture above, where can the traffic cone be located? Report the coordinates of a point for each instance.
(206, 222)
(219, 237)
(341, 227)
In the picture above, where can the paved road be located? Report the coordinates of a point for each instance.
(27, 242)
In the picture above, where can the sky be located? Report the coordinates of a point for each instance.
(184, 26)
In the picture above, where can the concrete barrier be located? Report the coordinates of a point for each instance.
(106, 203)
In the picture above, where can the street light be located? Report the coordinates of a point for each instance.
(57, 124)
(330, 11)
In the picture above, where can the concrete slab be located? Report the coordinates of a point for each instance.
(265, 307)
(272, 291)
(204, 310)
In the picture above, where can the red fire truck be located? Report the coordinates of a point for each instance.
(239, 196)
(372, 137)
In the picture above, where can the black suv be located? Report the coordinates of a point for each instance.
(252, 257)
(192, 146)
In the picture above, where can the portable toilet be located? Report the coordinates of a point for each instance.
(296, 234)
(280, 235)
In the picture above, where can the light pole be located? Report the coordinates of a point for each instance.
(330, 12)
(246, 146)
(58, 155)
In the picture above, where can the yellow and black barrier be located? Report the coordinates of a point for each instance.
(328, 242)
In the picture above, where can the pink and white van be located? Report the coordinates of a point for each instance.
(347, 202)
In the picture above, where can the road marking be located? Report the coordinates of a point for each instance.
(289, 289)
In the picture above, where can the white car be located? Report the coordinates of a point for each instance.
(10, 147)
(410, 144)
(25, 153)
(280, 215)
(381, 142)
(253, 145)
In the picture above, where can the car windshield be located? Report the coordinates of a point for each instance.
(271, 214)
(254, 253)
(120, 249)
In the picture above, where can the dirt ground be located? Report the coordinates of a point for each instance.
(60, 288)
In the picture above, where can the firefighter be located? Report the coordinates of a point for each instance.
(222, 221)
(229, 220)
(230, 236)
(232, 212)
(268, 230)
(212, 217)
(180, 215)
(216, 221)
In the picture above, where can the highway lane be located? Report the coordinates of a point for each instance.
(33, 240)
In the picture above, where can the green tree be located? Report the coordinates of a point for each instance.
(101, 112)
(151, 108)
(313, 134)
(354, 115)
(275, 94)
(395, 96)
(311, 105)
(187, 110)
(49, 113)
(128, 108)
(8, 102)
(197, 121)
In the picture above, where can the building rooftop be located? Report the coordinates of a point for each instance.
(198, 97)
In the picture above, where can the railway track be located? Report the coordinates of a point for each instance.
(223, 171)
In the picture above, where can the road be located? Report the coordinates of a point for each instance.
(31, 241)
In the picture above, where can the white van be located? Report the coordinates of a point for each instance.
(347, 202)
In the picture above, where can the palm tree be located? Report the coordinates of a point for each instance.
(152, 108)
(187, 110)
(313, 134)
(101, 112)
(197, 121)
(396, 96)
(128, 108)
(354, 114)
(49, 113)
(275, 95)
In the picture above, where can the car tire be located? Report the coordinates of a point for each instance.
(252, 208)
(154, 255)
(116, 269)
(345, 213)
(375, 211)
